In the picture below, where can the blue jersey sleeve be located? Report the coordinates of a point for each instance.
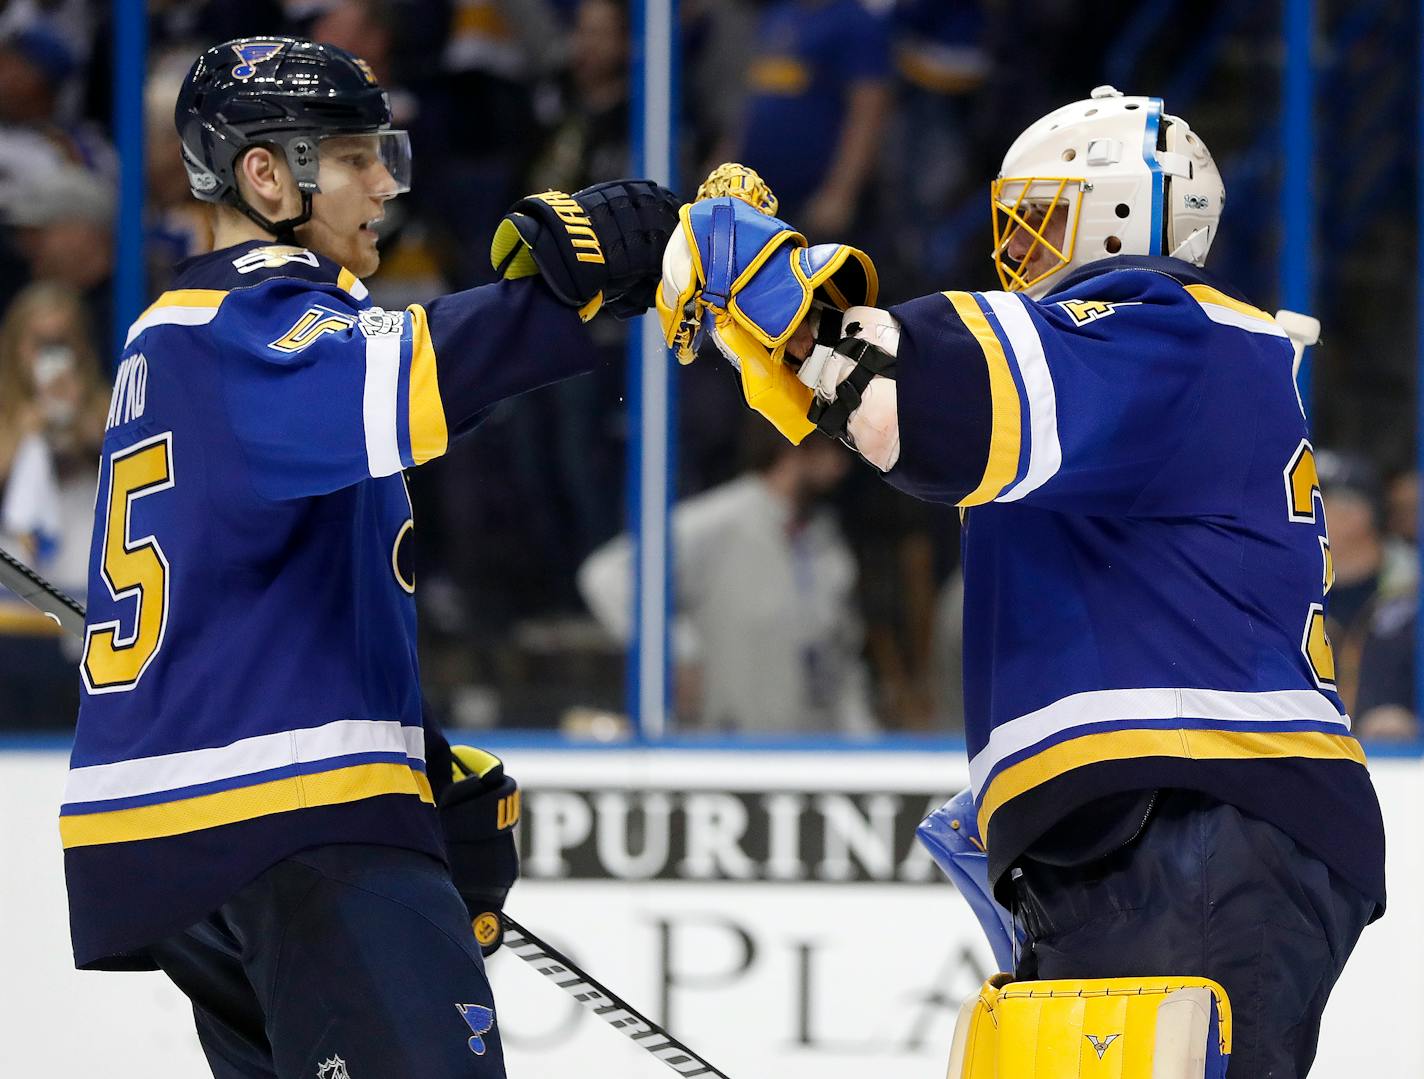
(323, 392)
(1076, 404)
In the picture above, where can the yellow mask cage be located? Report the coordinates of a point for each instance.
(1011, 215)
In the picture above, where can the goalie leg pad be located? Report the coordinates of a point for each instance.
(1157, 1028)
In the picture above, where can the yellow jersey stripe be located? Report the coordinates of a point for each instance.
(244, 803)
(189, 297)
(349, 283)
(1006, 433)
(1207, 294)
(180, 307)
(429, 436)
(1188, 744)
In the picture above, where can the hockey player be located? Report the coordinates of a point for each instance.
(1162, 770)
(250, 805)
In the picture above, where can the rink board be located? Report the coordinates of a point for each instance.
(770, 906)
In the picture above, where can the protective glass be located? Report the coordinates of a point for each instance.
(379, 160)
(1035, 227)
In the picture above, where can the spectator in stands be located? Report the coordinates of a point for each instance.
(717, 37)
(53, 404)
(177, 226)
(590, 142)
(933, 166)
(63, 231)
(819, 95)
(1401, 506)
(766, 635)
(567, 439)
(38, 65)
(484, 122)
(1370, 569)
(1385, 705)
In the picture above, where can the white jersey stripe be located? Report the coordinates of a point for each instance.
(1227, 317)
(173, 771)
(379, 404)
(171, 316)
(1109, 705)
(1045, 453)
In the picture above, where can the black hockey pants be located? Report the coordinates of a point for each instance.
(1204, 890)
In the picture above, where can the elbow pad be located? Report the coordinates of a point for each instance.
(854, 385)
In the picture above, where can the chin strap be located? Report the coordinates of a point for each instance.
(282, 231)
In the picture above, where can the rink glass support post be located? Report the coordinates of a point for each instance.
(130, 47)
(1419, 352)
(1298, 187)
(652, 394)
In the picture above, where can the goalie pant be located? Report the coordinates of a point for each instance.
(1203, 890)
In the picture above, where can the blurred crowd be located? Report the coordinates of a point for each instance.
(808, 597)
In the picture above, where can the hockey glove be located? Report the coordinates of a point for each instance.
(478, 812)
(601, 247)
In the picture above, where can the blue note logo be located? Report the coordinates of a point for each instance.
(252, 53)
(481, 1021)
(335, 1068)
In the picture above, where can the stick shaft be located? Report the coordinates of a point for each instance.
(40, 594)
(603, 1002)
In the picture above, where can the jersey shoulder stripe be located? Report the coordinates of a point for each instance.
(179, 307)
(1228, 311)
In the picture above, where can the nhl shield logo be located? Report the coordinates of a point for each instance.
(335, 1068)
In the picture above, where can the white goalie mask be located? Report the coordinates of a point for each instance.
(1112, 175)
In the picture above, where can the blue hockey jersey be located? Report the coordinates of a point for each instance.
(250, 685)
(1145, 555)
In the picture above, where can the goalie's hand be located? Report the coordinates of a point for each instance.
(478, 812)
(601, 247)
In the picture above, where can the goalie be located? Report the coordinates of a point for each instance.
(1162, 772)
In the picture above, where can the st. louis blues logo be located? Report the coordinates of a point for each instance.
(481, 1021)
(252, 53)
(1101, 1047)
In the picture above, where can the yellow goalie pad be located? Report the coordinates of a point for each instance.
(1111, 1028)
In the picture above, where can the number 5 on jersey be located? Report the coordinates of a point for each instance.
(132, 567)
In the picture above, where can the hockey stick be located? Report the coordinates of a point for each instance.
(40, 594)
(608, 1006)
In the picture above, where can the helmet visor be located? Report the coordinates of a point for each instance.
(379, 161)
(1035, 227)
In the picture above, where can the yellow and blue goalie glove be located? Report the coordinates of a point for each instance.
(596, 249)
(478, 812)
(746, 279)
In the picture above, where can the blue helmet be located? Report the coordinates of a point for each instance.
(285, 94)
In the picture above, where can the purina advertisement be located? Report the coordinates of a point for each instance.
(772, 909)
